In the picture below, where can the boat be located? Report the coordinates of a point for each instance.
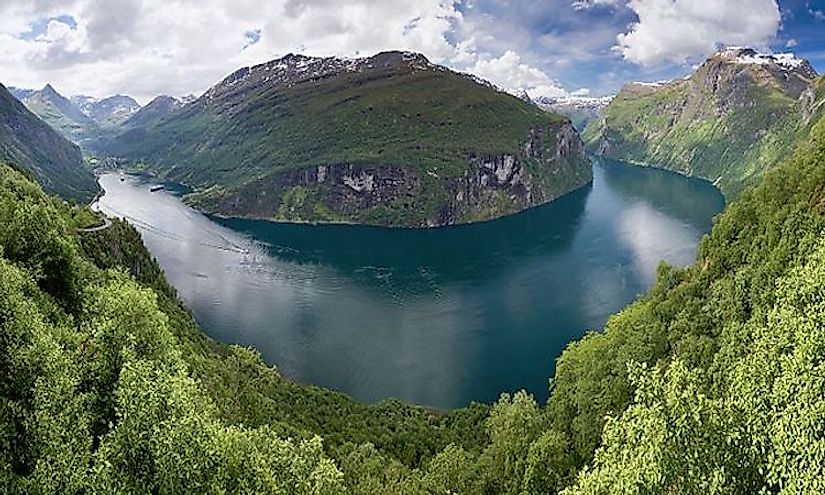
(156, 188)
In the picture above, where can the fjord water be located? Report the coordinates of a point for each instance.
(436, 317)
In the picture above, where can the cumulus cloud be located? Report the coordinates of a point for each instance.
(678, 30)
(508, 71)
(147, 47)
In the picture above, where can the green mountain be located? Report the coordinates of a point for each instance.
(60, 113)
(30, 143)
(739, 114)
(713, 382)
(386, 140)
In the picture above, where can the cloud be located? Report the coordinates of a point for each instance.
(679, 30)
(149, 47)
(508, 71)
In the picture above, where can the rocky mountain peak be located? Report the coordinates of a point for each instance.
(292, 69)
(733, 67)
(49, 89)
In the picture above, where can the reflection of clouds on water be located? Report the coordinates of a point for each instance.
(435, 317)
(305, 314)
(653, 237)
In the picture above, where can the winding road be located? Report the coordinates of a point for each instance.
(106, 224)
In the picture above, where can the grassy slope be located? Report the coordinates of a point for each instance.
(63, 116)
(651, 127)
(414, 118)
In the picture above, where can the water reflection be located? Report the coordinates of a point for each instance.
(439, 317)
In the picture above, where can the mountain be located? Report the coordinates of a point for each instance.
(60, 112)
(737, 115)
(154, 111)
(579, 109)
(386, 140)
(107, 112)
(30, 143)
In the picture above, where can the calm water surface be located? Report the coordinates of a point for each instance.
(437, 317)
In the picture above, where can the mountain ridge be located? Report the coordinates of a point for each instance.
(403, 142)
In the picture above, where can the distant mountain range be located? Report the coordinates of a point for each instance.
(107, 112)
(90, 121)
(740, 113)
(154, 112)
(387, 140)
(31, 144)
(579, 109)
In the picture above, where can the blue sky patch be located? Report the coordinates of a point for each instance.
(39, 26)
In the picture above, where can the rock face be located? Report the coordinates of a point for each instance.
(737, 115)
(390, 140)
(552, 163)
(28, 142)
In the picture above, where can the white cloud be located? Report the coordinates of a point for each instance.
(678, 30)
(147, 47)
(508, 71)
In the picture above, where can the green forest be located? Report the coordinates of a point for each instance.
(714, 382)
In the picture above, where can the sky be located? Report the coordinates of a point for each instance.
(547, 47)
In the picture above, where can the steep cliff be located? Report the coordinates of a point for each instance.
(736, 116)
(386, 140)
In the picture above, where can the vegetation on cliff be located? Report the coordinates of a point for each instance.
(31, 144)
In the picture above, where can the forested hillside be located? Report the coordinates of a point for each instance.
(712, 383)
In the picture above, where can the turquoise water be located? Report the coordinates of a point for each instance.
(437, 317)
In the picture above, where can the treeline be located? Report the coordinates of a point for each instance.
(712, 383)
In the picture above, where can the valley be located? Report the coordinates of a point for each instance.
(483, 270)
